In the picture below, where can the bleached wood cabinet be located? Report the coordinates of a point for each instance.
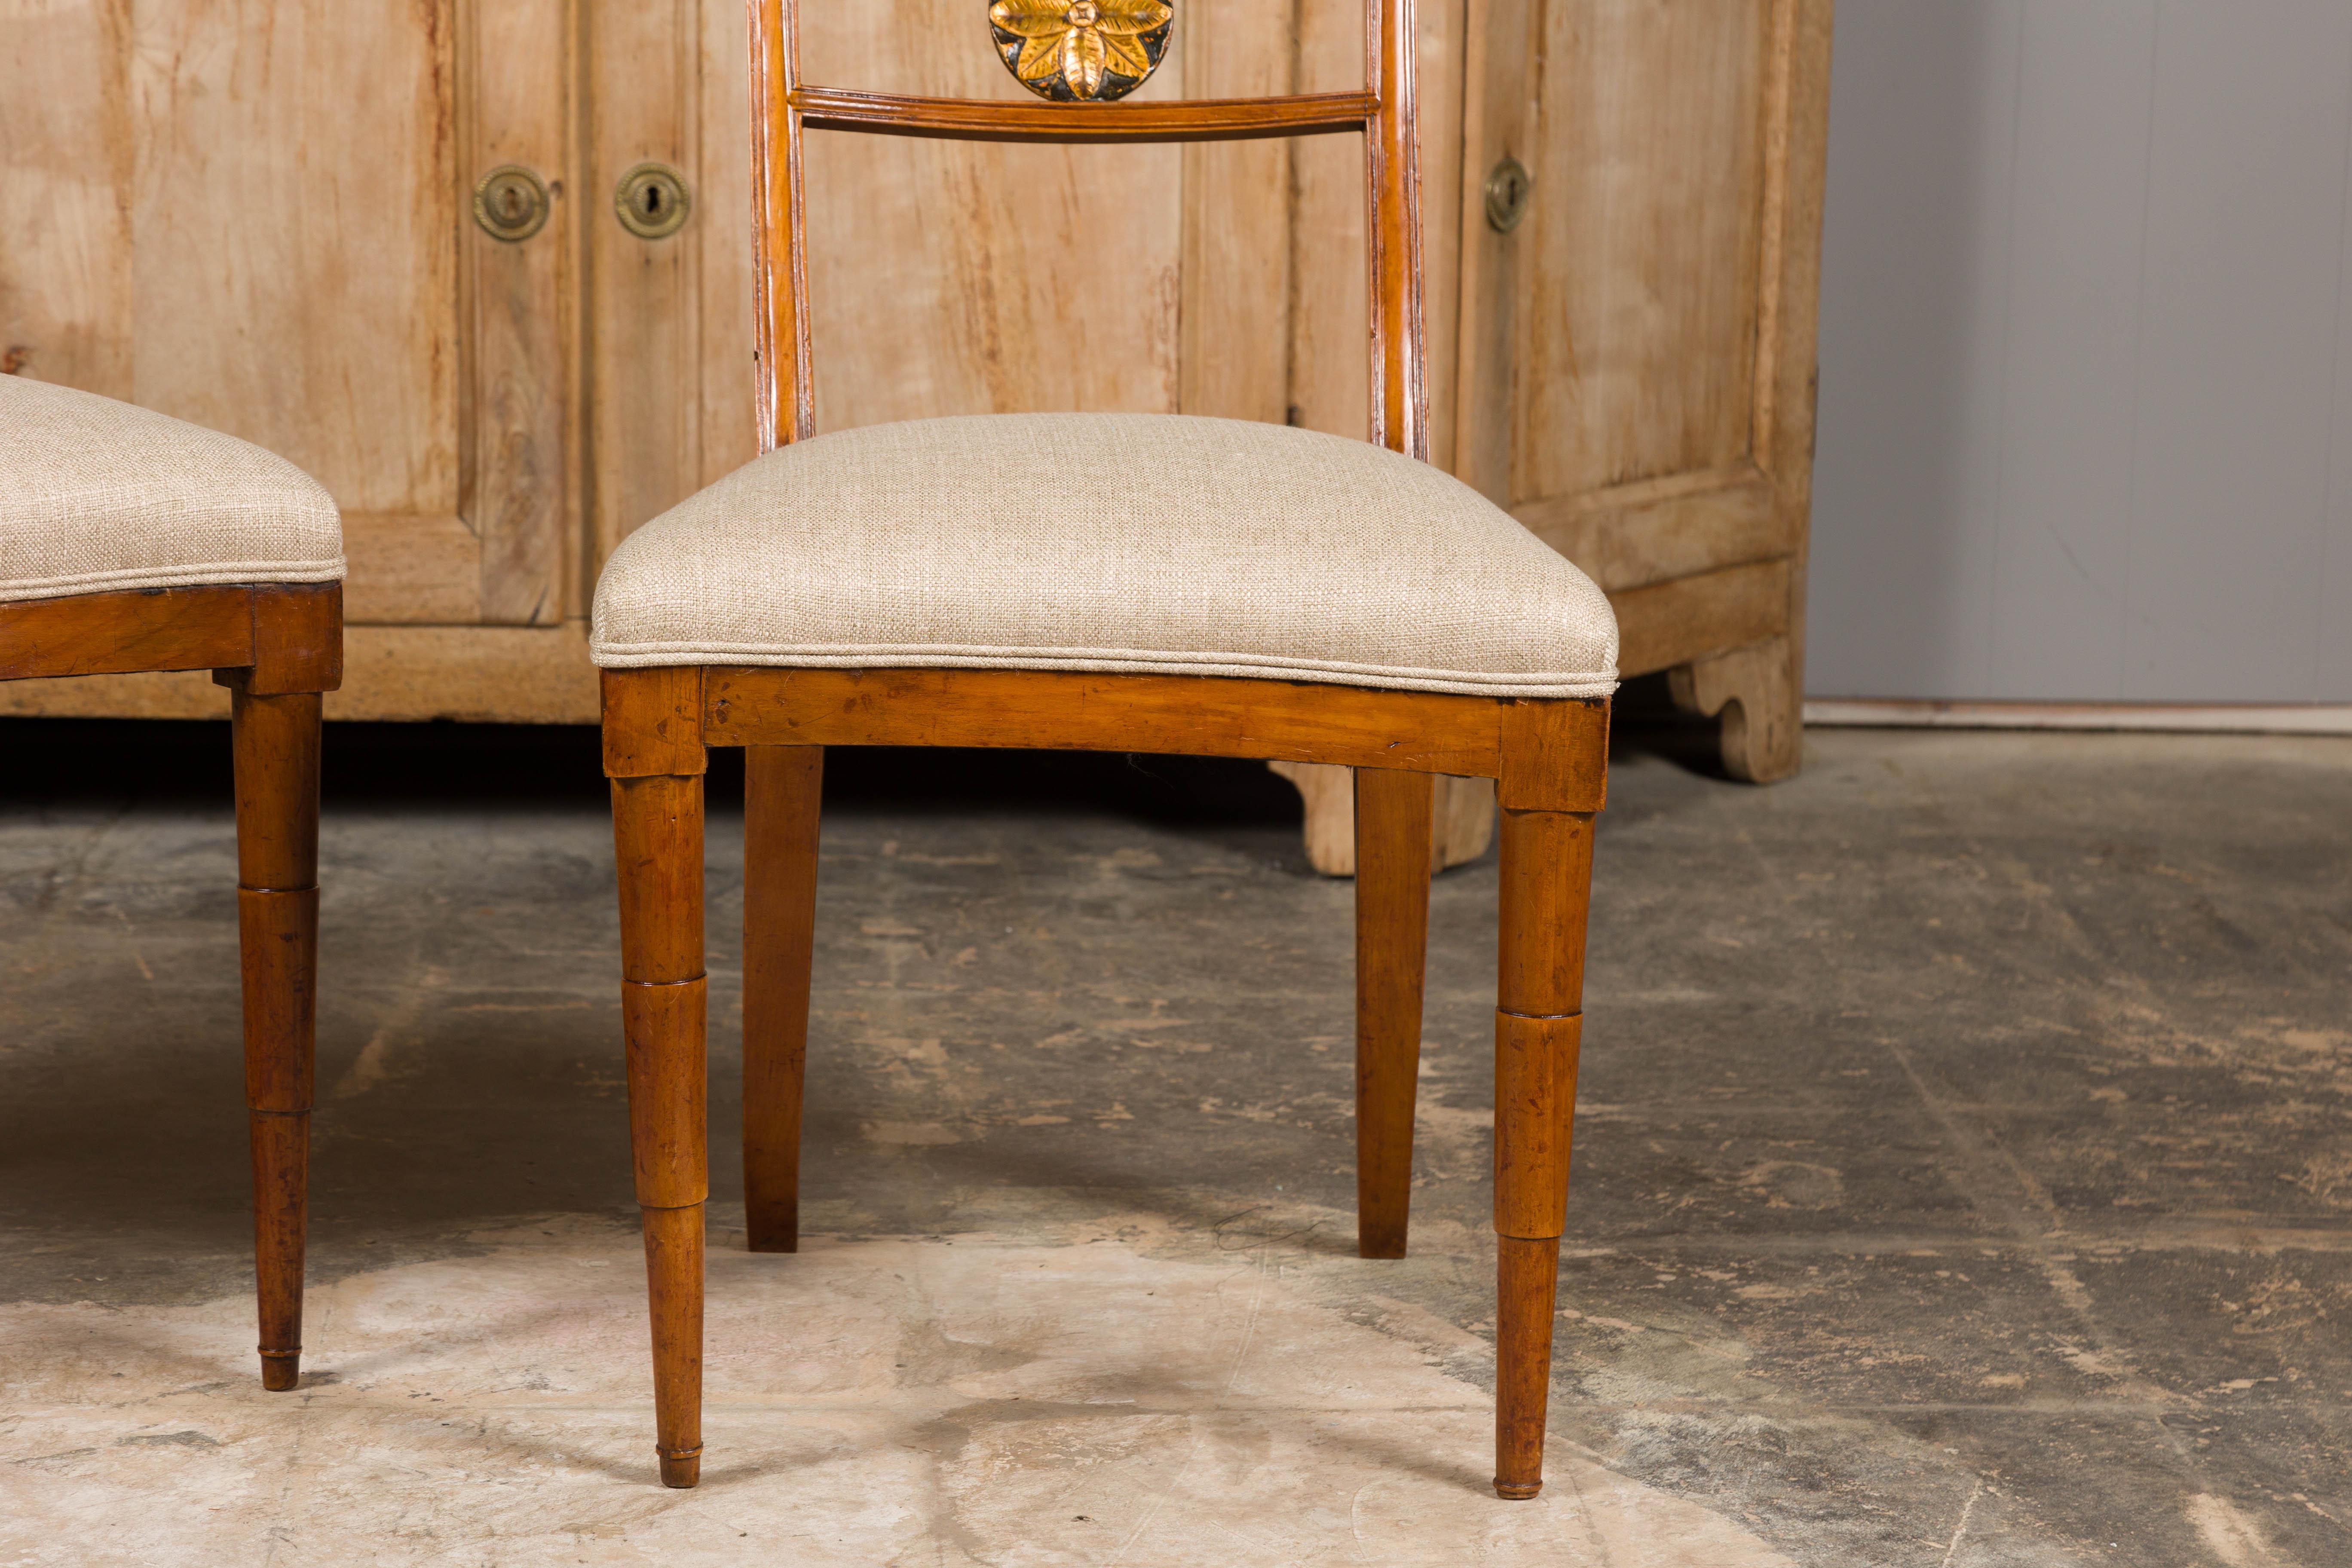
(261, 217)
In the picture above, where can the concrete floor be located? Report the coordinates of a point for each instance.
(1963, 1177)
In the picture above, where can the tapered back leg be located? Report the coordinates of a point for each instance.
(783, 789)
(1392, 855)
(1547, 879)
(276, 746)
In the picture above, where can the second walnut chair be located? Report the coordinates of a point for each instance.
(1123, 583)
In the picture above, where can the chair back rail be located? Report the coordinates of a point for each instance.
(988, 119)
(784, 108)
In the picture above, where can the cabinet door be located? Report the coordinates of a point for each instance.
(256, 214)
(1636, 358)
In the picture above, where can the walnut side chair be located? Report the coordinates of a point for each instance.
(1122, 582)
(130, 542)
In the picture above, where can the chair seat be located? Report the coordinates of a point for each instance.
(98, 496)
(1128, 543)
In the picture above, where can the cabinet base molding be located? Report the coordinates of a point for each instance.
(1689, 620)
(1753, 691)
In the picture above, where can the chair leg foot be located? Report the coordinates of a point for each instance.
(1528, 1276)
(674, 1246)
(281, 1160)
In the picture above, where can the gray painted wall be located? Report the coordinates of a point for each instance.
(2086, 352)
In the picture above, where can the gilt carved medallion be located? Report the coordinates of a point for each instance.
(1081, 50)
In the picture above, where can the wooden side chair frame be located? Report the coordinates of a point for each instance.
(1550, 759)
(276, 648)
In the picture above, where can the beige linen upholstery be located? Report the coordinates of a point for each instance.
(98, 496)
(1108, 541)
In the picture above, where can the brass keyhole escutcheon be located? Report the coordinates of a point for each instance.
(1508, 186)
(652, 201)
(511, 204)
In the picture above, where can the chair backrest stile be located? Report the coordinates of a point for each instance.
(784, 108)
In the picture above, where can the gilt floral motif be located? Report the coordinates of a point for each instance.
(1081, 50)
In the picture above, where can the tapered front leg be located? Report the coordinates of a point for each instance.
(657, 835)
(276, 746)
(654, 755)
(1546, 877)
(783, 789)
(1393, 857)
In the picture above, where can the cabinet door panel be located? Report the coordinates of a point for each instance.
(248, 214)
(293, 201)
(1636, 356)
(1638, 325)
(643, 297)
(519, 317)
(66, 154)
